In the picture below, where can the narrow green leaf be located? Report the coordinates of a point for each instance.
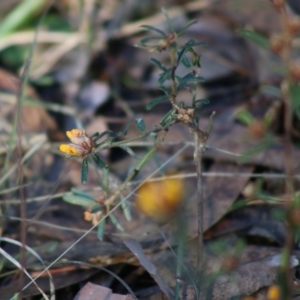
(158, 64)
(201, 102)
(140, 124)
(102, 134)
(255, 37)
(180, 86)
(125, 131)
(101, 229)
(106, 179)
(118, 134)
(104, 144)
(82, 194)
(193, 78)
(180, 54)
(115, 221)
(186, 62)
(99, 162)
(190, 43)
(19, 15)
(129, 151)
(126, 209)
(189, 24)
(84, 170)
(167, 118)
(95, 135)
(152, 28)
(144, 159)
(77, 200)
(147, 39)
(188, 78)
(164, 76)
(164, 89)
(156, 101)
(168, 20)
(96, 208)
(193, 43)
(106, 141)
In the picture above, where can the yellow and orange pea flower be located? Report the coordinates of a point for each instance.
(81, 144)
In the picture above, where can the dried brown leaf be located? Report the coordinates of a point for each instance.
(135, 247)
(33, 118)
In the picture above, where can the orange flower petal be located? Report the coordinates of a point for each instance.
(71, 150)
(75, 133)
(88, 216)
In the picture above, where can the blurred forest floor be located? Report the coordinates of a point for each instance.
(74, 64)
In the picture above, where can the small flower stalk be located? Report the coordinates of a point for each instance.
(82, 146)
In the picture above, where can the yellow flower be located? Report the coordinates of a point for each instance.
(81, 145)
(273, 292)
(161, 199)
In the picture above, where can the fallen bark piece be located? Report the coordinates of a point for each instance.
(96, 292)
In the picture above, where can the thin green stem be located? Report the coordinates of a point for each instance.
(116, 144)
(137, 168)
(124, 142)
